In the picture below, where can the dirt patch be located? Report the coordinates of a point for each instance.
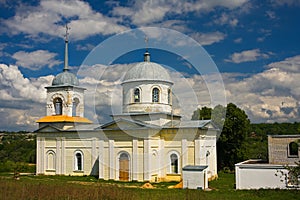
(179, 185)
(81, 182)
(147, 185)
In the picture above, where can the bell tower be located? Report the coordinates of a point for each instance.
(65, 98)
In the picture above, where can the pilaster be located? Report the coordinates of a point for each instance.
(147, 160)
(101, 161)
(111, 159)
(184, 153)
(134, 160)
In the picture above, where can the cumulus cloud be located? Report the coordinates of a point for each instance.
(146, 12)
(208, 38)
(225, 19)
(85, 47)
(269, 96)
(285, 2)
(36, 60)
(48, 16)
(247, 56)
(291, 64)
(22, 99)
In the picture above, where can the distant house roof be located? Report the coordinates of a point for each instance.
(285, 136)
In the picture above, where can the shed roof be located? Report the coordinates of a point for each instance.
(194, 167)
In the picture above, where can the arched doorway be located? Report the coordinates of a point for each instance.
(124, 167)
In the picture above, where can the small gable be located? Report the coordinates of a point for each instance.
(123, 125)
(47, 129)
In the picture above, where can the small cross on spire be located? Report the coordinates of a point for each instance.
(146, 42)
(67, 33)
(66, 66)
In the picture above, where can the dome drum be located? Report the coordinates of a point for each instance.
(147, 93)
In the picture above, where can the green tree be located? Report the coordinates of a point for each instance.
(218, 116)
(230, 146)
(202, 114)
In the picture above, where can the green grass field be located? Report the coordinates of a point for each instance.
(65, 187)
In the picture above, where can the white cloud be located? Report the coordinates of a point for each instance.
(149, 11)
(48, 16)
(285, 2)
(225, 19)
(208, 38)
(35, 60)
(272, 95)
(85, 47)
(15, 86)
(238, 40)
(271, 14)
(22, 99)
(291, 64)
(247, 56)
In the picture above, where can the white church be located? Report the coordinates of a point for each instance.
(146, 142)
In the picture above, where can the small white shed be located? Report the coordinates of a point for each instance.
(195, 177)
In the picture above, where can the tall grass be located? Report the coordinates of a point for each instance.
(62, 187)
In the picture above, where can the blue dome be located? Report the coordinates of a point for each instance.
(65, 78)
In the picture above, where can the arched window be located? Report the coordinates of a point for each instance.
(169, 96)
(155, 95)
(78, 161)
(58, 106)
(293, 149)
(74, 107)
(50, 160)
(124, 167)
(137, 95)
(174, 163)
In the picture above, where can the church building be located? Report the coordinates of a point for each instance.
(146, 142)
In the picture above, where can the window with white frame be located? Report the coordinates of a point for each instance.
(174, 163)
(155, 95)
(137, 95)
(78, 161)
(58, 106)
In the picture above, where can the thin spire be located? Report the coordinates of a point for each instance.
(146, 54)
(66, 66)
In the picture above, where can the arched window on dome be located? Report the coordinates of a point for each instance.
(75, 107)
(58, 106)
(155, 95)
(137, 95)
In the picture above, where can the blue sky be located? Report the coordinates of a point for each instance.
(255, 45)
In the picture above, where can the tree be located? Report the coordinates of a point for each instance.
(230, 146)
(234, 125)
(292, 177)
(202, 114)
